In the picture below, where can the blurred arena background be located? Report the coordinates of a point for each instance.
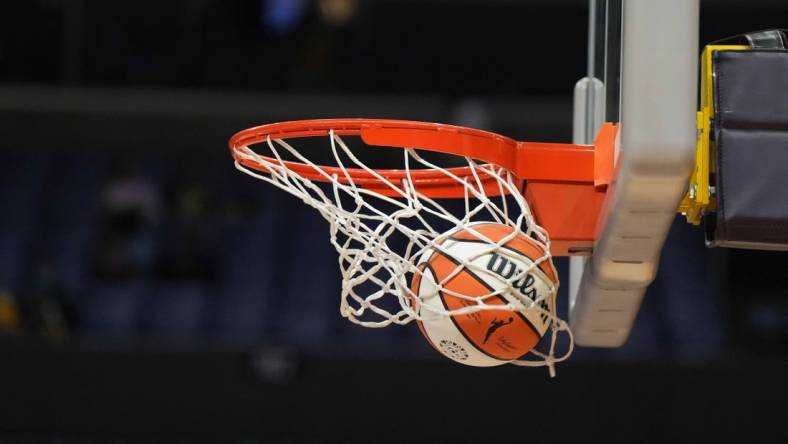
(151, 293)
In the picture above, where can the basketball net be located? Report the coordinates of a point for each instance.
(380, 238)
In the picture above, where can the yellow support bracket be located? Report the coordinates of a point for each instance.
(699, 199)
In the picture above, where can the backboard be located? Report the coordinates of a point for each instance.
(644, 79)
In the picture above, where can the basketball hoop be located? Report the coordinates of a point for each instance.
(381, 221)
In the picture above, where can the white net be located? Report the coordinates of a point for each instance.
(380, 237)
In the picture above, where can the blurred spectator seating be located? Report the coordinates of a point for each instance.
(131, 209)
(111, 311)
(224, 258)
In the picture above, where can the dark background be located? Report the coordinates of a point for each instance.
(149, 292)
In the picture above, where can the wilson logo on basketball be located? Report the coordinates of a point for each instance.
(506, 268)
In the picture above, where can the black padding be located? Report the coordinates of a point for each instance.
(751, 135)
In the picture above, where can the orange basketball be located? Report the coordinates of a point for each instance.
(487, 337)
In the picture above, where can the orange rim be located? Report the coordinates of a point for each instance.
(545, 162)
(450, 139)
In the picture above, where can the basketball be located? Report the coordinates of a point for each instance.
(487, 337)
